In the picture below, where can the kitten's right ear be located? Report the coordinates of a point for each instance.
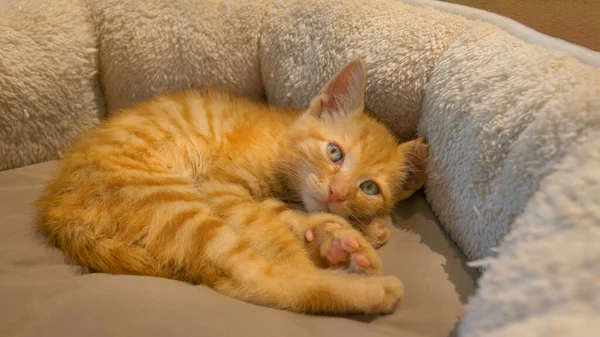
(416, 155)
(344, 93)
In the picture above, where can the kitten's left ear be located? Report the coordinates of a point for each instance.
(415, 153)
(344, 93)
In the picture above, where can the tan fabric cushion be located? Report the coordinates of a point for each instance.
(42, 296)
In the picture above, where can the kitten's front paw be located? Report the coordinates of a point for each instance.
(335, 243)
(376, 231)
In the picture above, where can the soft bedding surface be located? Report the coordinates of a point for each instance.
(510, 115)
(43, 296)
(546, 278)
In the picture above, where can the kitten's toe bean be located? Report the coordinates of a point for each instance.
(309, 235)
(330, 226)
(336, 253)
(365, 263)
(350, 243)
(362, 261)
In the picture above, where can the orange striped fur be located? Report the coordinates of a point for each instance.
(200, 186)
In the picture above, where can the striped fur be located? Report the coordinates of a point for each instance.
(190, 186)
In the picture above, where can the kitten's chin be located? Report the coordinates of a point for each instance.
(338, 209)
(313, 205)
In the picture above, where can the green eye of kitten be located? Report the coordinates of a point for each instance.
(335, 153)
(369, 187)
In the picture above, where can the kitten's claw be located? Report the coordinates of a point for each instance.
(334, 243)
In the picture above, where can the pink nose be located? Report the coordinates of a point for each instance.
(336, 194)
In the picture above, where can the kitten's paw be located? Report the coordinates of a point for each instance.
(393, 292)
(376, 231)
(334, 243)
(383, 296)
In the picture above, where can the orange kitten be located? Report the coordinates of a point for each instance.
(190, 186)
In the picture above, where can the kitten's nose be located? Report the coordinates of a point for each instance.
(336, 194)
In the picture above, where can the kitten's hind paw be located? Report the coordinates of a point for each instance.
(388, 293)
(334, 243)
(394, 290)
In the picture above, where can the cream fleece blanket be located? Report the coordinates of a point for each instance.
(546, 278)
(49, 90)
(500, 110)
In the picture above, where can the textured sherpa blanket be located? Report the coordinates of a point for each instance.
(507, 111)
(49, 90)
(546, 278)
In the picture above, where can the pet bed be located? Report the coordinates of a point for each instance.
(512, 117)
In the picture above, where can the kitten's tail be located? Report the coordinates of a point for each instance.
(102, 253)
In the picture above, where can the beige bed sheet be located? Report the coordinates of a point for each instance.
(41, 295)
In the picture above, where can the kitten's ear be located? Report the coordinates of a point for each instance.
(416, 153)
(344, 93)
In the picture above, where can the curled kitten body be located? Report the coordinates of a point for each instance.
(190, 186)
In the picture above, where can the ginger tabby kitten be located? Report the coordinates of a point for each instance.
(198, 186)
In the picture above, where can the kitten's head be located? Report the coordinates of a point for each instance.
(343, 161)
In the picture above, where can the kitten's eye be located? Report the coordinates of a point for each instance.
(335, 153)
(369, 187)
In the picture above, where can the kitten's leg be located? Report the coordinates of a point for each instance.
(329, 239)
(376, 231)
(320, 291)
(210, 251)
(269, 236)
(288, 273)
